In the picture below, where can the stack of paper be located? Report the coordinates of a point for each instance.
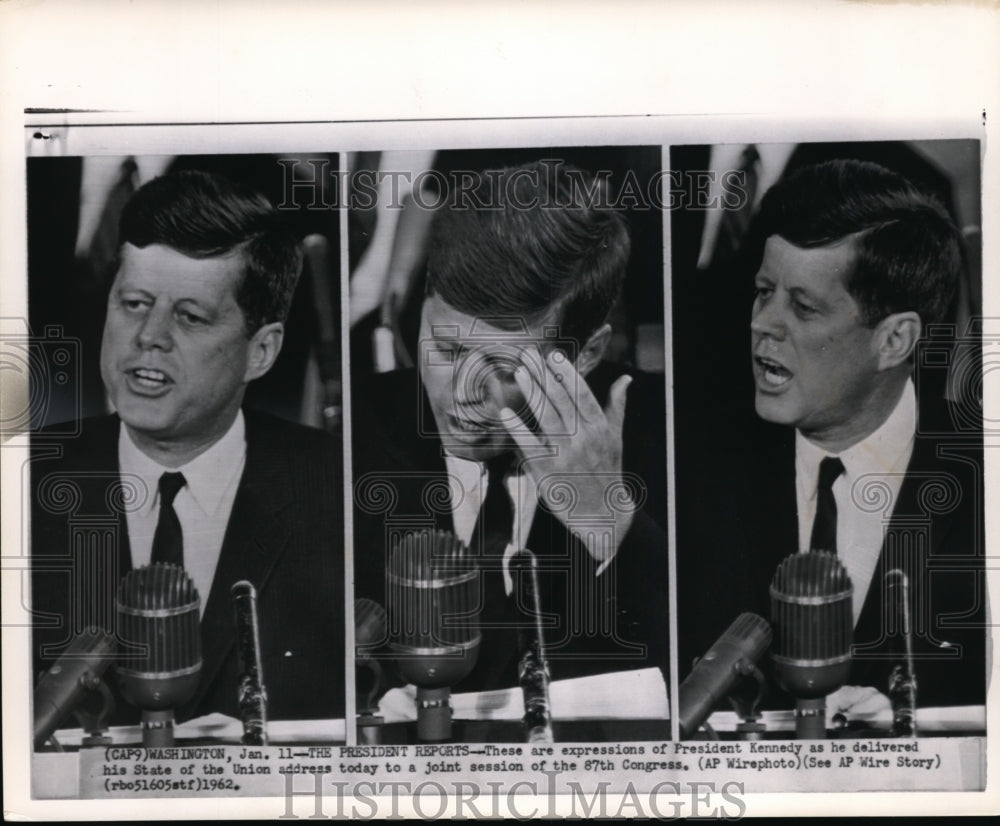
(638, 695)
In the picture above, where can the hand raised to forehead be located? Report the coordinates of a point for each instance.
(578, 444)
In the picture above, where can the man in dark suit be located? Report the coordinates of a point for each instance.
(857, 265)
(182, 474)
(512, 411)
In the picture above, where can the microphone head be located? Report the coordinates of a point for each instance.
(63, 687)
(370, 627)
(370, 624)
(813, 623)
(158, 619)
(433, 608)
(731, 656)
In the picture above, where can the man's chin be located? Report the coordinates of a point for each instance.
(139, 418)
(774, 409)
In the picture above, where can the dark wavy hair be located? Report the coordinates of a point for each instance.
(204, 215)
(908, 252)
(547, 248)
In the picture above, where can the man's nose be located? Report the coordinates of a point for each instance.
(156, 329)
(483, 383)
(767, 319)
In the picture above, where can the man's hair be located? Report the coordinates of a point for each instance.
(545, 248)
(908, 252)
(204, 215)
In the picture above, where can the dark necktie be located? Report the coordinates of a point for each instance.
(824, 532)
(734, 223)
(494, 529)
(495, 524)
(168, 541)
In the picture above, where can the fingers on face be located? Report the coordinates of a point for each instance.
(616, 402)
(558, 385)
(544, 409)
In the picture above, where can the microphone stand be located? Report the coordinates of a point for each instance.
(903, 679)
(747, 708)
(533, 670)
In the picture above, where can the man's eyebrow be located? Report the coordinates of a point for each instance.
(192, 300)
(122, 289)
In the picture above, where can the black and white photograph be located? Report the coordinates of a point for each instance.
(509, 431)
(426, 411)
(840, 432)
(186, 539)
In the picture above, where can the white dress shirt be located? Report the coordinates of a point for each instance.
(469, 483)
(862, 512)
(203, 505)
(468, 492)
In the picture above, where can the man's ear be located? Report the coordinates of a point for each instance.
(592, 352)
(896, 337)
(265, 345)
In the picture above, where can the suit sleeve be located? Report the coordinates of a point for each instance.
(640, 565)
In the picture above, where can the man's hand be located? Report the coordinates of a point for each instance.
(859, 703)
(575, 457)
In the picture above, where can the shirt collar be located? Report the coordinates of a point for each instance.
(881, 452)
(475, 466)
(207, 476)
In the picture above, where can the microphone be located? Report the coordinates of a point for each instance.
(533, 670)
(63, 687)
(813, 630)
(158, 614)
(317, 254)
(371, 680)
(903, 679)
(734, 655)
(370, 626)
(433, 606)
(251, 694)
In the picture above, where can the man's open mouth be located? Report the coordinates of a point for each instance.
(149, 378)
(773, 373)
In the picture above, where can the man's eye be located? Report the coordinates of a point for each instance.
(190, 318)
(804, 310)
(763, 292)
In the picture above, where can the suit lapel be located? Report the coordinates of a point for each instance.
(774, 515)
(423, 457)
(901, 549)
(106, 492)
(255, 539)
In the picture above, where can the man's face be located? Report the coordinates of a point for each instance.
(174, 356)
(467, 370)
(815, 362)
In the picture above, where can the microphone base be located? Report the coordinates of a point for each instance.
(433, 714)
(810, 719)
(157, 728)
(370, 727)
